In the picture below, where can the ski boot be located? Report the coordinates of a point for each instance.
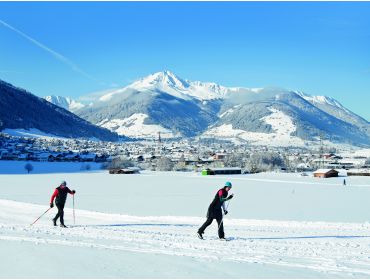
(54, 222)
(63, 226)
(200, 235)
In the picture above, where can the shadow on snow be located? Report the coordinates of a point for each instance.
(300, 237)
(231, 238)
(136, 225)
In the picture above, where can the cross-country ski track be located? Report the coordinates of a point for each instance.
(311, 249)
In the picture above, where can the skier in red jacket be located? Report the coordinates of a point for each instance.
(60, 195)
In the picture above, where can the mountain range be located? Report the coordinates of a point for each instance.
(21, 110)
(175, 107)
(163, 102)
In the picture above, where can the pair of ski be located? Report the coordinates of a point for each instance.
(221, 239)
(62, 226)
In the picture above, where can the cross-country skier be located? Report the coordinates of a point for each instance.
(60, 195)
(215, 211)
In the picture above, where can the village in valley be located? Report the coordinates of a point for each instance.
(207, 156)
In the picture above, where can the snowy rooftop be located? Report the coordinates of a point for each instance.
(324, 170)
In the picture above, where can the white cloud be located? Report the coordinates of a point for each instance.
(93, 96)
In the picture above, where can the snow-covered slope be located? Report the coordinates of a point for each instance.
(21, 110)
(336, 109)
(249, 115)
(134, 126)
(64, 102)
(321, 100)
(31, 133)
(281, 135)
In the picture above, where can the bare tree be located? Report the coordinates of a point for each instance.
(265, 162)
(181, 164)
(164, 164)
(118, 163)
(234, 160)
(85, 167)
(28, 167)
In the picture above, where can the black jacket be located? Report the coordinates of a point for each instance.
(214, 209)
(60, 195)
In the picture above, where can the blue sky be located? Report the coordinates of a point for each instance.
(321, 48)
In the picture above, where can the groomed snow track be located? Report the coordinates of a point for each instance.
(325, 249)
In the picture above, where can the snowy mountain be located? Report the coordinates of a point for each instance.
(163, 98)
(335, 108)
(264, 118)
(183, 107)
(177, 107)
(64, 102)
(21, 110)
(171, 84)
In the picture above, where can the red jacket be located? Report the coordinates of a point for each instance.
(60, 195)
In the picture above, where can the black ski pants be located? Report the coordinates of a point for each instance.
(60, 214)
(209, 221)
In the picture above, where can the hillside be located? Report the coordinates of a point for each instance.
(22, 110)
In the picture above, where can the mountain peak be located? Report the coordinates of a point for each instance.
(64, 102)
(163, 79)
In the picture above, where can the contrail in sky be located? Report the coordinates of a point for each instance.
(57, 55)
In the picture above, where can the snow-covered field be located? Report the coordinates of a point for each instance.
(17, 167)
(33, 132)
(279, 226)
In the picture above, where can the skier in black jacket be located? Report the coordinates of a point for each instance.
(60, 195)
(215, 211)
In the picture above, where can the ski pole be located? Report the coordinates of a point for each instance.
(222, 220)
(40, 217)
(74, 216)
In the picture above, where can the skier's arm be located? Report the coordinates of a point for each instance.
(71, 192)
(55, 193)
(223, 199)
